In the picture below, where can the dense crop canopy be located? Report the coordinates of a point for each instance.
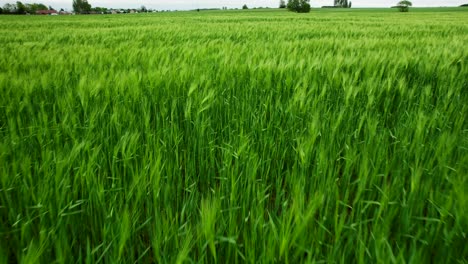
(247, 136)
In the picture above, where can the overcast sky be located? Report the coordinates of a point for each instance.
(193, 4)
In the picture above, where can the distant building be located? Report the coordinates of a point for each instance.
(46, 12)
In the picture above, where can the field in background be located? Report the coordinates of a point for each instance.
(230, 137)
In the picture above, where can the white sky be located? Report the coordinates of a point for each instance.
(193, 4)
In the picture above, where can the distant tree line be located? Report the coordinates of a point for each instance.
(19, 8)
(81, 6)
(84, 7)
(282, 4)
(404, 5)
(342, 3)
(299, 6)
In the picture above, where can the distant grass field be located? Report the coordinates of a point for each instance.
(231, 137)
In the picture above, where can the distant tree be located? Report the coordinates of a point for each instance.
(9, 8)
(282, 4)
(143, 9)
(349, 5)
(100, 10)
(32, 8)
(20, 8)
(245, 7)
(404, 5)
(40, 6)
(81, 6)
(464, 5)
(342, 3)
(51, 8)
(299, 6)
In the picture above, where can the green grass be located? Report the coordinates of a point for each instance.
(232, 137)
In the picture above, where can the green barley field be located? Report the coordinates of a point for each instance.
(338, 136)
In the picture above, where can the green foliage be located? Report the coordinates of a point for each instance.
(245, 7)
(404, 5)
(81, 6)
(282, 4)
(20, 8)
(9, 8)
(166, 138)
(32, 8)
(99, 9)
(299, 6)
(342, 3)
